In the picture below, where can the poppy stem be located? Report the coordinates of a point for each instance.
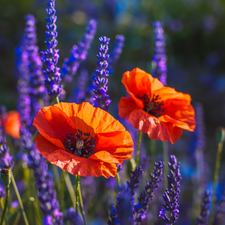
(70, 189)
(57, 178)
(6, 204)
(166, 160)
(61, 191)
(138, 148)
(79, 198)
(118, 179)
(57, 99)
(77, 192)
(19, 199)
(216, 178)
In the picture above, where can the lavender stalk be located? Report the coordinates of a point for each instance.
(171, 194)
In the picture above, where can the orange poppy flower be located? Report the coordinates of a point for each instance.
(11, 124)
(82, 139)
(159, 111)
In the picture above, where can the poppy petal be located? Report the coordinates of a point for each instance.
(138, 83)
(119, 144)
(73, 164)
(54, 125)
(104, 156)
(146, 123)
(91, 119)
(12, 124)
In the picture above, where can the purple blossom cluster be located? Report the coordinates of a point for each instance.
(146, 195)
(50, 55)
(6, 159)
(79, 52)
(100, 78)
(171, 194)
(44, 184)
(78, 95)
(204, 213)
(159, 68)
(24, 101)
(116, 51)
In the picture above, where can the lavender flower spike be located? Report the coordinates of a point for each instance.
(116, 51)
(159, 68)
(37, 88)
(134, 180)
(50, 55)
(79, 91)
(220, 211)
(171, 195)
(7, 162)
(146, 196)
(44, 184)
(100, 79)
(204, 213)
(78, 52)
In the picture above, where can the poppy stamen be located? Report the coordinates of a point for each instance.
(152, 105)
(81, 144)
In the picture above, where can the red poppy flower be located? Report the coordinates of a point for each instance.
(11, 124)
(82, 139)
(159, 111)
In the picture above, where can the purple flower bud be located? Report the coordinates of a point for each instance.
(50, 55)
(99, 79)
(171, 194)
(78, 52)
(159, 68)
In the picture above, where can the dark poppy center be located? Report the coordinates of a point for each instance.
(152, 105)
(81, 144)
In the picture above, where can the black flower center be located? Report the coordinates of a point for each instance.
(81, 144)
(152, 105)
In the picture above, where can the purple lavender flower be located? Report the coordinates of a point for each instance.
(200, 128)
(159, 68)
(134, 180)
(78, 52)
(116, 51)
(3, 147)
(100, 79)
(44, 184)
(50, 55)
(37, 88)
(204, 213)
(73, 217)
(123, 213)
(124, 208)
(220, 211)
(7, 162)
(146, 196)
(171, 194)
(24, 101)
(80, 90)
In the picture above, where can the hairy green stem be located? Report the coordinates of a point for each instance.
(216, 178)
(62, 191)
(70, 189)
(79, 196)
(19, 199)
(166, 160)
(77, 193)
(5, 205)
(118, 179)
(138, 148)
(57, 99)
(57, 178)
